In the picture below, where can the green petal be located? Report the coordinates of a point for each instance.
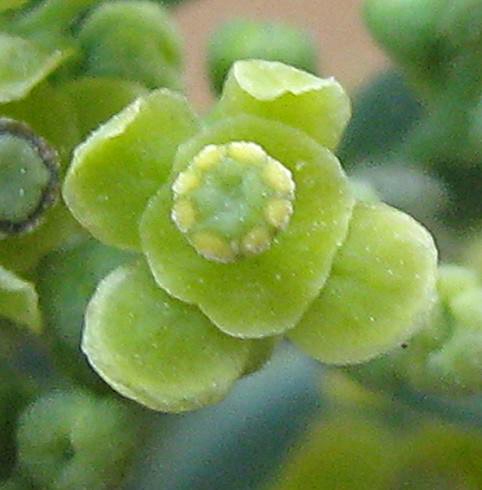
(22, 66)
(122, 164)
(272, 90)
(155, 349)
(51, 115)
(97, 99)
(381, 284)
(266, 294)
(19, 300)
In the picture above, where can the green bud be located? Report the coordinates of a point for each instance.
(133, 40)
(66, 281)
(74, 441)
(243, 39)
(28, 178)
(444, 357)
(407, 29)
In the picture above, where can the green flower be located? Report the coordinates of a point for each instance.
(249, 219)
(59, 79)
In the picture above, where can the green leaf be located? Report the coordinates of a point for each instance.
(19, 300)
(279, 92)
(156, 350)
(381, 286)
(266, 294)
(123, 163)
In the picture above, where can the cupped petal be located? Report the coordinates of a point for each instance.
(19, 300)
(273, 90)
(380, 287)
(122, 164)
(23, 65)
(155, 349)
(265, 294)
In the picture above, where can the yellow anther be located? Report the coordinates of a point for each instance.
(256, 241)
(213, 247)
(232, 200)
(186, 182)
(183, 214)
(278, 177)
(278, 213)
(209, 157)
(248, 153)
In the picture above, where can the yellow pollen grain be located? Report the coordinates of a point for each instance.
(209, 157)
(213, 247)
(248, 153)
(183, 214)
(256, 241)
(278, 177)
(186, 182)
(278, 213)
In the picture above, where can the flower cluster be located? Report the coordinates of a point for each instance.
(66, 67)
(246, 229)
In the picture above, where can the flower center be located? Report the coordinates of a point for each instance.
(28, 177)
(232, 200)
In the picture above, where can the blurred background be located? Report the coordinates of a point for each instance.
(346, 49)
